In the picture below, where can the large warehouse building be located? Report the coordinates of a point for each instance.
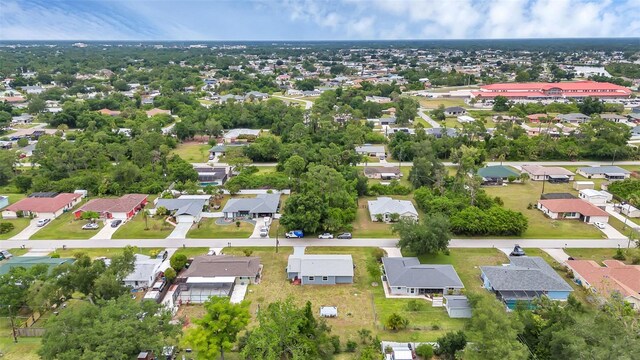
(552, 91)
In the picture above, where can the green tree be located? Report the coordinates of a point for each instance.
(36, 105)
(23, 183)
(450, 344)
(217, 331)
(285, 331)
(395, 322)
(425, 237)
(438, 113)
(116, 329)
(501, 103)
(178, 261)
(8, 160)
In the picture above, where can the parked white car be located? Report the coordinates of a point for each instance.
(600, 225)
(42, 222)
(325, 236)
(90, 226)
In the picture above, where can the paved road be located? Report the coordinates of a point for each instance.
(427, 118)
(220, 243)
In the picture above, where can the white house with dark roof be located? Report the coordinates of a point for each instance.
(407, 276)
(372, 150)
(186, 208)
(548, 173)
(263, 205)
(385, 206)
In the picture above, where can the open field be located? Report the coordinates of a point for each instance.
(360, 305)
(193, 151)
(434, 103)
(135, 228)
(65, 227)
(208, 229)
(19, 225)
(518, 197)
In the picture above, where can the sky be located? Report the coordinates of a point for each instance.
(315, 19)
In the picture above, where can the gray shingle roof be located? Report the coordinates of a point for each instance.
(408, 272)
(144, 267)
(608, 169)
(384, 205)
(526, 273)
(183, 206)
(320, 265)
(262, 203)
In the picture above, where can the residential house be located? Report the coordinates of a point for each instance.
(635, 131)
(224, 98)
(457, 306)
(145, 271)
(263, 205)
(595, 197)
(122, 208)
(496, 174)
(256, 95)
(43, 207)
(552, 174)
(383, 172)
(614, 277)
(216, 275)
(536, 118)
(4, 201)
(384, 207)
(27, 150)
(455, 111)
(186, 208)
(22, 119)
(221, 149)
(234, 135)
(33, 90)
(215, 176)
(28, 262)
(569, 209)
(573, 118)
(156, 111)
(319, 269)
(6, 145)
(108, 112)
(629, 210)
(465, 119)
(440, 132)
(383, 121)
(407, 276)
(614, 118)
(524, 279)
(372, 151)
(378, 99)
(608, 172)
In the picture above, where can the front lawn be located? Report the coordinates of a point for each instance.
(517, 197)
(66, 227)
(208, 229)
(193, 152)
(135, 228)
(18, 225)
(363, 227)
(104, 252)
(598, 255)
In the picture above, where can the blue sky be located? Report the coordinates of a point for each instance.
(315, 19)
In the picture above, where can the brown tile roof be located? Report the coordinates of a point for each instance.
(124, 203)
(614, 276)
(43, 204)
(223, 265)
(572, 205)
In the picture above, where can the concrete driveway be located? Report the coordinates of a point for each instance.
(31, 229)
(180, 232)
(256, 230)
(392, 251)
(557, 254)
(107, 231)
(611, 233)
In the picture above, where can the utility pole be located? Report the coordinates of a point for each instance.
(277, 231)
(13, 326)
(544, 180)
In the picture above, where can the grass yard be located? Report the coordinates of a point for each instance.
(193, 152)
(18, 225)
(599, 255)
(18, 251)
(135, 228)
(208, 229)
(363, 227)
(434, 103)
(13, 198)
(25, 349)
(66, 227)
(192, 251)
(360, 305)
(518, 196)
(105, 252)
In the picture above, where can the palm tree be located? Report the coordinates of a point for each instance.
(524, 177)
(145, 214)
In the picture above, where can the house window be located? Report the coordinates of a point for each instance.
(325, 278)
(312, 278)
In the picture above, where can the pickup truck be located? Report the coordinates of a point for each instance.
(294, 234)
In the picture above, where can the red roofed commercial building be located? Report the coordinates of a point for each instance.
(43, 207)
(615, 276)
(560, 209)
(122, 208)
(553, 91)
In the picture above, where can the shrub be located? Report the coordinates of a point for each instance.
(178, 261)
(619, 255)
(162, 211)
(415, 305)
(511, 178)
(435, 327)
(351, 346)
(170, 275)
(635, 260)
(154, 253)
(6, 227)
(394, 217)
(237, 223)
(335, 341)
(247, 252)
(378, 254)
(425, 351)
(88, 215)
(396, 322)
(365, 335)
(54, 255)
(373, 268)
